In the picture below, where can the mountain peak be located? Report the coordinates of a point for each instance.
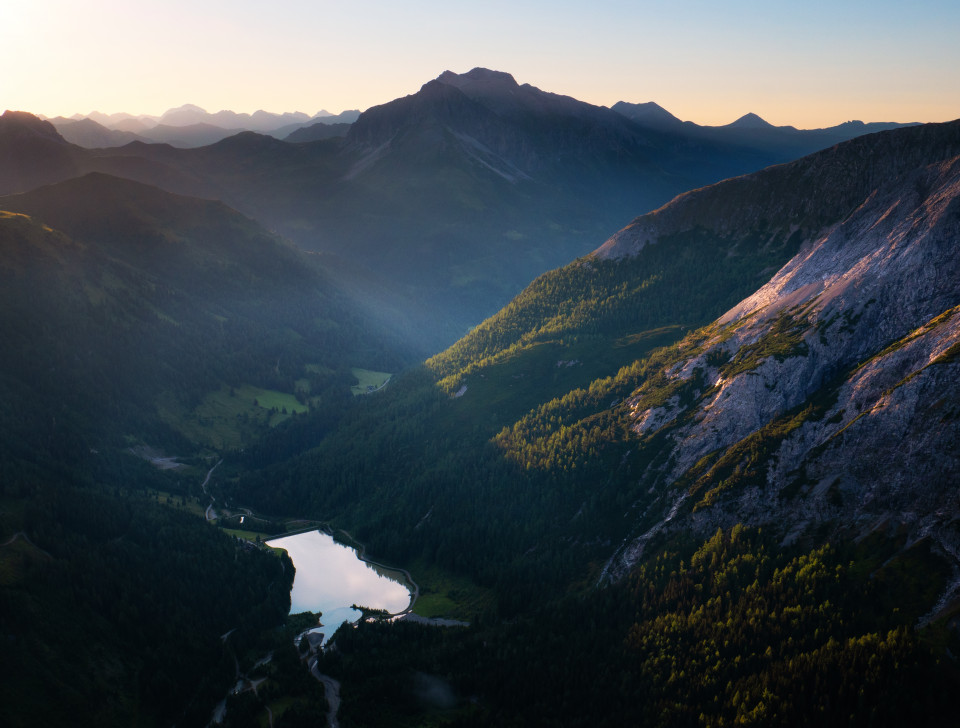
(648, 114)
(435, 103)
(248, 141)
(436, 89)
(33, 153)
(183, 115)
(23, 122)
(188, 107)
(496, 90)
(750, 121)
(20, 126)
(478, 75)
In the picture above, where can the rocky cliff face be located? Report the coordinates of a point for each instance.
(831, 395)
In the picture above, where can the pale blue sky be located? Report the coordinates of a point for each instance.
(809, 64)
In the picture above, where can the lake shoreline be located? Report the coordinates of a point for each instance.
(362, 555)
(334, 579)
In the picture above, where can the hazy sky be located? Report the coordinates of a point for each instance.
(805, 63)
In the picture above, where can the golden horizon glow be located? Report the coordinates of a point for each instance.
(809, 66)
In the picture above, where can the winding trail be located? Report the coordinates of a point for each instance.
(209, 473)
(210, 514)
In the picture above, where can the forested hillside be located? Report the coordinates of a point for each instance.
(735, 629)
(115, 604)
(152, 302)
(139, 324)
(820, 412)
(556, 366)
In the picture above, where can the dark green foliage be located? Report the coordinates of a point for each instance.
(401, 674)
(421, 475)
(784, 339)
(411, 482)
(243, 711)
(119, 610)
(684, 279)
(732, 631)
(567, 434)
(119, 607)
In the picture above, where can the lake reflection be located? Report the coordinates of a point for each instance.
(330, 577)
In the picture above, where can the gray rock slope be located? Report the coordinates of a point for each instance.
(831, 396)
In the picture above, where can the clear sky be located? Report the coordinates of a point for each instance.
(807, 63)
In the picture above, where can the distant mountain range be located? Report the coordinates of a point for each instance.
(190, 126)
(457, 195)
(754, 132)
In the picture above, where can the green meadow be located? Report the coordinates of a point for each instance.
(367, 379)
(229, 417)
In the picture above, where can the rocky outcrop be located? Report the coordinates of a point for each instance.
(832, 394)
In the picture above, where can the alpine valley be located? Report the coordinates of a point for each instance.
(704, 473)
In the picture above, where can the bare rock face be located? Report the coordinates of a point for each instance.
(832, 394)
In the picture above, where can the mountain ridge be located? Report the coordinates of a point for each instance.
(761, 190)
(408, 191)
(189, 126)
(783, 412)
(32, 153)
